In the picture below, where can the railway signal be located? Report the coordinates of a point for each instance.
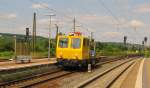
(125, 40)
(145, 40)
(143, 43)
(27, 34)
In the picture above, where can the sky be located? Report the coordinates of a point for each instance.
(109, 20)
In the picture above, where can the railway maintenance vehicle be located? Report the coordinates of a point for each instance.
(75, 50)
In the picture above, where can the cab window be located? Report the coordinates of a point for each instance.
(86, 43)
(63, 42)
(76, 43)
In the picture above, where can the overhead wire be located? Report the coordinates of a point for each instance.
(111, 13)
(81, 25)
(66, 16)
(56, 12)
(114, 16)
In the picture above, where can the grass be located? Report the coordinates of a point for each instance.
(10, 54)
(6, 55)
(23, 73)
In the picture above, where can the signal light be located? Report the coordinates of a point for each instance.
(125, 39)
(27, 31)
(145, 39)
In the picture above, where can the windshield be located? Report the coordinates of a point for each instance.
(76, 42)
(63, 42)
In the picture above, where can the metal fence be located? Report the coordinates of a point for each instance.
(23, 49)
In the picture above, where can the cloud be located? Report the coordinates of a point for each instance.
(39, 5)
(8, 16)
(46, 21)
(43, 21)
(104, 21)
(69, 10)
(10, 29)
(142, 8)
(89, 1)
(136, 23)
(61, 22)
(97, 19)
(93, 17)
(112, 34)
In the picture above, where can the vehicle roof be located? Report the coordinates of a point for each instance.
(73, 36)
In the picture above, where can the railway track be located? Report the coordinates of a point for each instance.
(49, 81)
(105, 61)
(34, 80)
(51, 77)
(41, 78)
(43, 70)
(90, 82)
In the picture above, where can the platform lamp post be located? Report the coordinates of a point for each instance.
(49, 37)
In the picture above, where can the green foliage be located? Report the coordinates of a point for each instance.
(147, 53)
(114, 49)
(41, 44)
(6, 44)
(6, 53)
(20, 74)
(105, 48)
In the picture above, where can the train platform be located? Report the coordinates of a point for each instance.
(146, 74)
(139, 76)
(8, 65)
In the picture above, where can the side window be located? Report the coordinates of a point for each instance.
(88, 43)
(63, 42)
(76, 43)
(84, 42)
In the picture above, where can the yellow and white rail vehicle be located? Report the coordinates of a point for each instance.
(75, 50)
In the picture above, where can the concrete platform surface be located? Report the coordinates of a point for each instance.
(12, 65)
(139, 77)
(146, 74)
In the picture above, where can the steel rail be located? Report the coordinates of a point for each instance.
(26, 79)
(46, 80)
(87, 82)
